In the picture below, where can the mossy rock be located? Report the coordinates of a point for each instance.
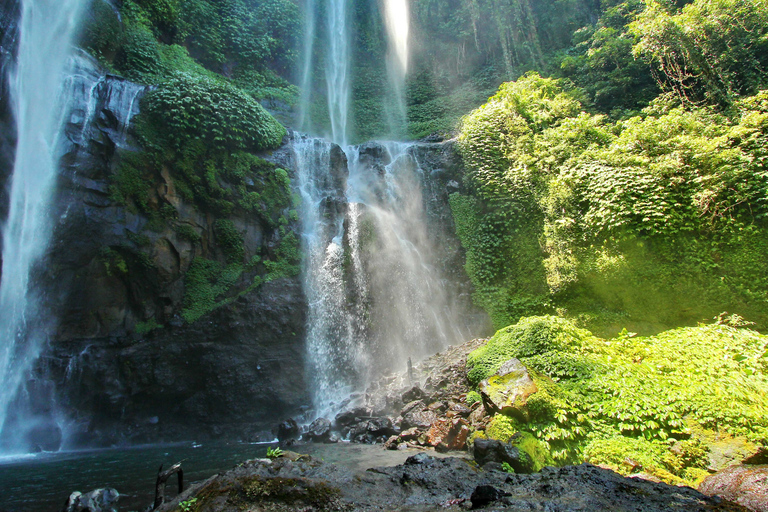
(508, 391)
(539, 454)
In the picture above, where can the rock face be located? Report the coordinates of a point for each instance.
(425, 483)
(746, 485)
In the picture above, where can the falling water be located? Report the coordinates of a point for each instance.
(397, 21)
(334, 340)
(375, 295)
(337, 70)
(46, 30)
(306, 74)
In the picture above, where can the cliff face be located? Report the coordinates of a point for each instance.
(168, 318)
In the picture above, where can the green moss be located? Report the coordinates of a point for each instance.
(114, 262)
(206, 284)
(188, 233)
(143, 328)
(229, 239)
(287, 259)
(472, 397)
(530, 337)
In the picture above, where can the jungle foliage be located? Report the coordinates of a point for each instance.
(652, 399)
(661, 215)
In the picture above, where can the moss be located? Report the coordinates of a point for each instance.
(114, 262)
(293, 491)
(230, 240)
(530, 337)
(143, 328)
(472, 397)
(502, 428)
(206, 282)
(188, 233)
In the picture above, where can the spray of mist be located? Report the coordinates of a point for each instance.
(46, 30)
(397, 20)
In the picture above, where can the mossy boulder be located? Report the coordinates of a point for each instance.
(508, 390)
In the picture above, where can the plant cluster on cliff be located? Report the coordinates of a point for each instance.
(661, 215)
(210, 63)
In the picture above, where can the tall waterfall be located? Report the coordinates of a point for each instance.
(337, 67)
(46, 31)
(397, 20)
(375, 294)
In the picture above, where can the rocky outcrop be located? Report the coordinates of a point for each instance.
(99, 500)
(425, 483)
(425, 406)
(745, 484)
(123, 363)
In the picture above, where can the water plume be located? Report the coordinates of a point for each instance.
(46, 30)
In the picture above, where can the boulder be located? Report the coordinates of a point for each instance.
(346, 418)
(99, 500)
(508, 390)
(418, 418)
(288, 429)
(319, 431)
(448, 434)
(415, 393)
(524, 453)
(746, 485)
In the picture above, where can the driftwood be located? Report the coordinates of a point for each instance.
(162, 479)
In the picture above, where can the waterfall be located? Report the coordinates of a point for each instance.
(46, 30)
(397, 20)
(334, 339)
(376, 296)
(337, 70)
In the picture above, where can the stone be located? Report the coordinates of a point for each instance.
(448, 434)
(319, 431)
(415, 393)
(745, 484)
(99, 500)
(486, 494)
(427, 483)
(491, 450)
(349, 417)
(288, 429)
(419, 418)
(508, 390)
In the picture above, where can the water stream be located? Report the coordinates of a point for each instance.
(46, 30)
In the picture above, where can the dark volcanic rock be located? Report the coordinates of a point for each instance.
(490, 450)
(744, 484)
(319, 431)
(424, 483)
(288, 429)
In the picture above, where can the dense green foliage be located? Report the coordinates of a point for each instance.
(603, 399)
(641, 218)
(188, 108)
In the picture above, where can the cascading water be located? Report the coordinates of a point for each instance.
(337, 70)
(398, 22)
(375, 295)
(45, 37)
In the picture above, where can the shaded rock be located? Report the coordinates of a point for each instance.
(288, 429)
(99, 500)
(351, 416)
(508, 390)
(491, 450)
(746, 485)
(418, 418)
(486, 494)
(319, 431)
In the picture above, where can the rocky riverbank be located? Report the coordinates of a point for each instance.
(294, 482)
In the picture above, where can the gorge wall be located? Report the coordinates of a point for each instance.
(170, 318)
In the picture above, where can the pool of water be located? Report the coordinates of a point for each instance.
(42, 482)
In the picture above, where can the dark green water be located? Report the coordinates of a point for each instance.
(42, 482)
